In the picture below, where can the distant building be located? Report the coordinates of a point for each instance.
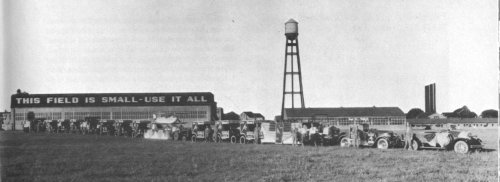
(251, 116)
(231, 116)
(187, 106)
(431, 116)
(456, 123)
(344, 116)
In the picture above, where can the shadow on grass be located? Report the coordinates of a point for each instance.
(488, 150)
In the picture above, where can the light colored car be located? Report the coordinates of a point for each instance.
(457, 140)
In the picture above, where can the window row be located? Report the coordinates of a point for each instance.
(368, 120)
(21, 116)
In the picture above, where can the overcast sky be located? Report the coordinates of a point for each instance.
(353, 53)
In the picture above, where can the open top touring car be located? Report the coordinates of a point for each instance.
(457, 140)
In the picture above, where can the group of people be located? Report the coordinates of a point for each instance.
(46, 125)
(305, 133)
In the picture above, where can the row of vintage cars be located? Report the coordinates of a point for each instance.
(261, 132)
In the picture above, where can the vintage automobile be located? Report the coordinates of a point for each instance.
(107, 127)
(331, 135)
(365, 137)
(125, 128)
(201, 131)
(139, 128)
(247, 132)
(457, 140)
(179, 132)
(164, 128)
(227, 131)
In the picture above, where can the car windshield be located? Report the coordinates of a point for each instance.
(250, 127)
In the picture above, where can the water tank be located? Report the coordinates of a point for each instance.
(291, 29)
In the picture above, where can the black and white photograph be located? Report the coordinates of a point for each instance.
(213, 90)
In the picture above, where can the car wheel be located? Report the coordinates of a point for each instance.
(176, 136)
(242, 140)
(233, 139)
(382, 143)
(193, 138)
(344, 142)
(461, 147)
(415, 145)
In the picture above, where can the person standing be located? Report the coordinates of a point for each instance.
(27, 126)
(256, 133)
(294, 136)
(303, 133)
(313, 133)
(408, 137)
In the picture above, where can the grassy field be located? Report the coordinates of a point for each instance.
(70, 157)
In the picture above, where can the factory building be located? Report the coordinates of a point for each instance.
(377, 117)
(188, 107)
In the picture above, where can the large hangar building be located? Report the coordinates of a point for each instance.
(188, 107)
(342, 117)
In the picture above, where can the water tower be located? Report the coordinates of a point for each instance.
(292, 74)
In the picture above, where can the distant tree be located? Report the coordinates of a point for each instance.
(463, 112)
(490, 113)
(30, 116)
(19, 92)
(413, 113)
(231, 116)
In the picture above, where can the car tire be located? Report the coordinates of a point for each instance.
(233, 139)
(382, 144)
(242, 140)
(176, 136)
(344, 142)
(193, 138)
(415, 145)
(461, 147)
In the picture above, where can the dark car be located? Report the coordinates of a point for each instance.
(366, 137)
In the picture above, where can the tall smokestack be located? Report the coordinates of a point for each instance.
(430, 98)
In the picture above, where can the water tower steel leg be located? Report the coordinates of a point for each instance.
(284, 84)
(292, 74)
(300, 74)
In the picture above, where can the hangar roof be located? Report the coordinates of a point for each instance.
(344, 112)
(452, 120)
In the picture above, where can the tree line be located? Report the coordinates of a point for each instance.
(463, 112)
